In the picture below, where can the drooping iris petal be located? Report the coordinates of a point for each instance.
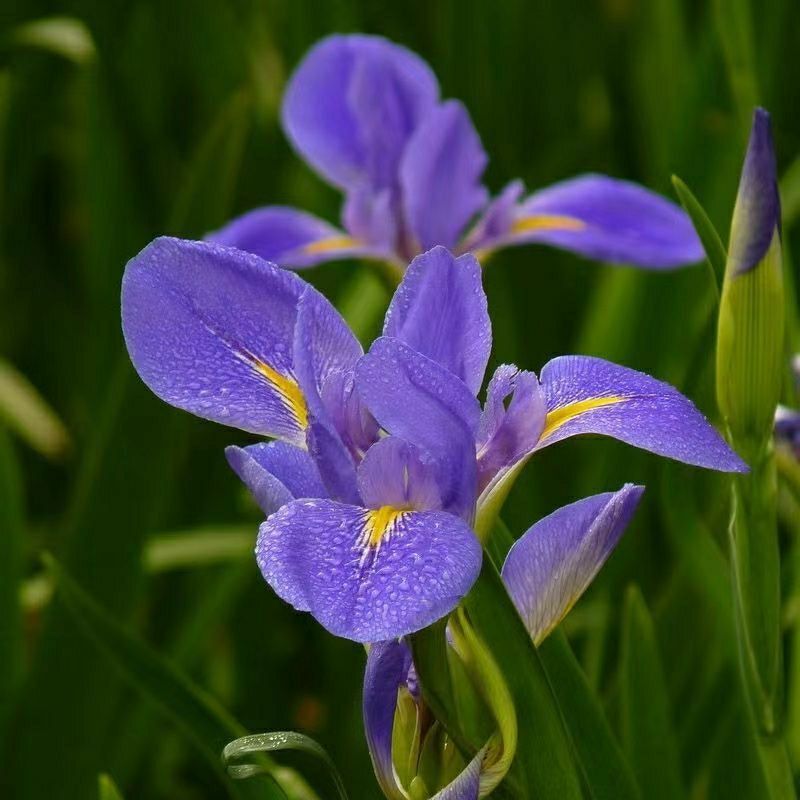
(395, 473)
(290, 238)
(466, 785)
(440, 310)
(388, 665)
(757, 214)
(550, 567)
(333, 460)
(275, 473)
(590, 395)
(507, 434)
(608, 220)
(440, 176)
(368, 575)
(417, 399)
(352, 104)
(210, 329)
(323, 344)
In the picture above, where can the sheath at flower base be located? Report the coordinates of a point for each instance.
(545, 572)
(366, 114)
(386, 461)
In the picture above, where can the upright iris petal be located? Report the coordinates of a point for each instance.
(440, 310)
(553, 563)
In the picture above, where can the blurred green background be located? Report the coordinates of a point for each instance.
(122, 121)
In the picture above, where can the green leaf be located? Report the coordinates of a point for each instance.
(199, 547)
(790, 194)
(24, 410)
(260, 743)
(67, 37)
(607, 774)
(196, 713)
(107, 789)
(11, 572)
(712, 243)
(544, 766)
(648, 737)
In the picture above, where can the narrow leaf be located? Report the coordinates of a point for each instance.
(647, 733)
(107, 789)
(260, 743)
(607, 774)
(712, 243)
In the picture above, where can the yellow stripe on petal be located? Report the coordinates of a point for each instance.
(547, 222)
(379, 523)
(330, 244)
(288, 391)
(561, 416)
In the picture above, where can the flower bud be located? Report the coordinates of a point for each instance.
(750, 336)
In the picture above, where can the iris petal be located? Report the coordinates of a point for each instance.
(440, 310)
(608, 220)
(440, 176)
(275, 473)
(322, 556)
(553, 563)
(290, 238)
(209, 330)
(351, 106)
(590, 395)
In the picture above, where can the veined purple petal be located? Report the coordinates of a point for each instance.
(590, 395)
(275, 473)
(323, 345)
(508, 434)
(291, 238)
(333, 460)
(553, 563)
(417, 399)
(388, 665)
(466, 785)
(209, 330)
(757, 214)
(351, 106)
(608, 220)
(440, 310)
(395, 473)
(440, 176)
(347, 412)
(368, 575)
(372, 217)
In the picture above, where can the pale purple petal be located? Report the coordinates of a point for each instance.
(787, 428)
(347, 412)
(440, 176)
(333, 460)
(607, 220)
(317, 555)
(351, 106)
(553, 563)
(323, 345)
(440, 310)
(757, 214)
(291, 238)
(509, 429)
(496, 219)
(388, 665)
(590, 395)
(210, 329)
(467, 784)
(395, 473)
(275, 473)
(417, 399)
(372, 217)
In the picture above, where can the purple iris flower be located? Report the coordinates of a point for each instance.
(546, 571)
(384, 462)
(366, 114)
